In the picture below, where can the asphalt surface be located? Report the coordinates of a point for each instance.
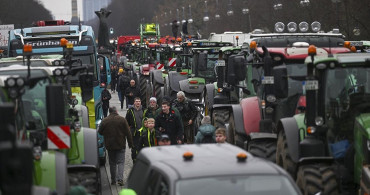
(107, 188)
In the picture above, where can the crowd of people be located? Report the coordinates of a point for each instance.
(170, 123)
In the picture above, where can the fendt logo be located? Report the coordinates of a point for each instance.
(48, 43)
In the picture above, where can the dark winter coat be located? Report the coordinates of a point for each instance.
(151, 112)
(123, 82)
(105, 94)
(135, 93)
(115, 130)
(205, 130)
(186, 108)
(171, 123)
(147, 139)
(131, 120)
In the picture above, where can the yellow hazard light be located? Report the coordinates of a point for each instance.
(312, 50)
(347, 44)
(263, 104)
(353, 49)
(237, 37)
(27, 48)
(147, 42)
(178, 39)
(63, 42)
(311, 130)
(193, 82)
(69, 45)
(253, 45)
(188, 156)
(241, 157)
(159, 41)
(189, 44)
(219, 90)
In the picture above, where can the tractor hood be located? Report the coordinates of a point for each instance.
(192, 85)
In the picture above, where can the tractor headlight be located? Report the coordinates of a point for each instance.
(37, 152)
(74, 102)
(279, 27)
(56, 62)
(64, 72)
(13, 93)
(62, 62)
(292, 27)
(57, 72)
(20, 82)
(10, 82)
(77, 126)
(271, 98)
(269, 110)
(303, 26)
(316, 26)
(311, 130)
(319, 121)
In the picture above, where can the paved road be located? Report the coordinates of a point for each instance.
(108, 189)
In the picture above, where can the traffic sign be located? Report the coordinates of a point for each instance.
(171, 62)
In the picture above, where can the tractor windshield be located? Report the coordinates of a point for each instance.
(209, 73)
(347, 88)
(295, 69)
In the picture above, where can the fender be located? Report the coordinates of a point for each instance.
(210, 92)
(173, 80)
(51, 171)
(290, 127)
(238, 115)
(185, 87)
(91, 147)
(251, 114)
(84, 118)
(157, 76)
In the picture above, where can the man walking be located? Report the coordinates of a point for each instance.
(167, 122)
(105, 97)
(116, 131)
(134, 117)
(131, 93)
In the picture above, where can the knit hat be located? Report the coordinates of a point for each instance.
(153, 99)
(206, 120)
(120, 70)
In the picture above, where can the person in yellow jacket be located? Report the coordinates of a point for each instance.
(147, 138)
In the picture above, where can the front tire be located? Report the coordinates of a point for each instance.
(263, 148)
(315, 178)
(283, 157)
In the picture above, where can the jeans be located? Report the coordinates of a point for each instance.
(116, 159)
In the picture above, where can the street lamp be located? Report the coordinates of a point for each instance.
(183, 15)
(230, 12)
(190, 18)
(217, 16)
(205, 18)
(305, 3)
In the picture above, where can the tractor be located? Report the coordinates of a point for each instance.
(326, 148)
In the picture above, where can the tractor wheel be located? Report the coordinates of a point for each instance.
(88, 179)
(312, 179)
(208, 102)
(220, 117)
(235, 138)
(283, 157)
(158, 92)
(143, 91)
(263, 148)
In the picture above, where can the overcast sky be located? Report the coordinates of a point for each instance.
(61, 9)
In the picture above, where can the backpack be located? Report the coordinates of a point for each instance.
(208, 138)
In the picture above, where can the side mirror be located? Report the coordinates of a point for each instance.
(280, 74)
(55, 104)
(202, 62)
(236, 69)
(87, 86)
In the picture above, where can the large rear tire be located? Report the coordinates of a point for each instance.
(235, 138)
(315, 178)
(220, 117)
(263, 148)
(143, 90)
(158, 92)
(283, 157)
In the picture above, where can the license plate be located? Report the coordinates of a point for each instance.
(267, 80)
(312, 85)
(220, 63)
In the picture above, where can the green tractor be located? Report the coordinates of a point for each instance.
(326, 147)
(16, 155)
